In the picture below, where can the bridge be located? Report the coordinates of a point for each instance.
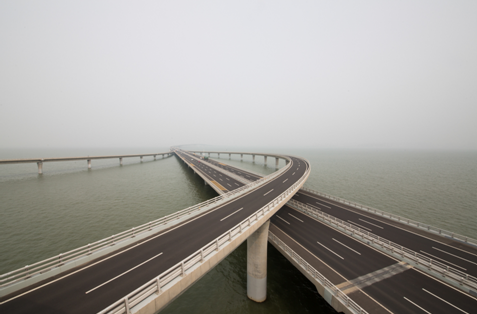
(361, 260)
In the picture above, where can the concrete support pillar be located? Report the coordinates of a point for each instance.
(257, 264)
(265, 157)
(276, 162)
(241, 156)
(140, 158)
(120, 161)
(230, 156)
(40, 167)
(218, 155)
(209, 154)
(253, 157)
(154, 157)
(89, 163)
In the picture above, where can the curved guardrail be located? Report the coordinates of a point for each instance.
(61, 259)
(387, 246)
(232, 175)
(157, 285)
(317, 275)
(400, 219)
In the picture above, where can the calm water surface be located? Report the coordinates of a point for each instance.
(69, 206)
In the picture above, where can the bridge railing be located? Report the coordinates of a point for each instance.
(431, 265)
(232, 175)
(317, 275)
(403, 220)
(165, 280)
(61, 259)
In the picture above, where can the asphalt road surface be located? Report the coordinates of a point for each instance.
(95, 286)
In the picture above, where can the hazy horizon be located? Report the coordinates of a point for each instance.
(303, 75)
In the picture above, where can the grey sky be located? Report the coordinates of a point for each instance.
(312, 74)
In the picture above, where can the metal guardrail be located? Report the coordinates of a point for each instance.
(176, 272)
(390, 247)
(400, 219)
(234, 176)
(352, 305)
(59, 260)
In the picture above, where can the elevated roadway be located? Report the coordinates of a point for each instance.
(378, 282)
(91, 287)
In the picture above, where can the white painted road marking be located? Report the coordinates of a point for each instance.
(123, 273)
(283, 219)
(329, 250)
(416, 305)
(454, 255)
(442, 260)
(285, 181)
(293, 173)
(323, 205)
(267, 192)
(359, 225)
(231, 214)
(444, 301)
(314, 206)
(229, 184)
(236, 184)
(346, 246)
(295, 217)
(370, 223)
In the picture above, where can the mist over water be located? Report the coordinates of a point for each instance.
(70, 206)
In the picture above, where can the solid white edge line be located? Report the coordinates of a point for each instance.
(444, 301)
(283, 219)
(454, 255)
(231, 214)
(323, 205)
(267, 192)
(370, 223)
(362, 213)
(416, 305)
(314, 206)
(352, 222)
(346, 246)
(329, 250)
(123, 273)
(443, 260)
(295, 217)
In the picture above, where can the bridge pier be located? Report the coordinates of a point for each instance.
(257, 264)
(40, 167)
(276, 162)
(253, 158)
(218, 155)
(89, 163)
(154, 157)
(140, 157)
(241, 157)
(120, 161)
(230, 156)
(265, 159)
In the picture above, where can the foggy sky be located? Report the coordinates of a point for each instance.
(310, 74)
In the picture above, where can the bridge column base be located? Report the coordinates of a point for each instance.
(257, 264)
(40, 167)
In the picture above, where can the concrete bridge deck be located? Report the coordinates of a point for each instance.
(92, 287)
(378, 282)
